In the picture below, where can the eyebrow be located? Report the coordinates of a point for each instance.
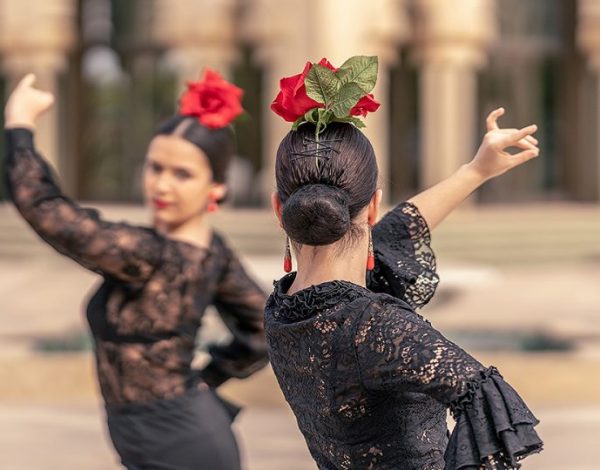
(168, 164)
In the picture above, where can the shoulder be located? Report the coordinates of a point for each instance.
(406, 215)
(387, 317)
(220, 245)
(386, 306)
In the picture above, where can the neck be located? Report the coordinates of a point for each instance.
(194, 230)
(318, 264)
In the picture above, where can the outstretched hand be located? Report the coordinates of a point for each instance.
(492, 158)
(26, 103)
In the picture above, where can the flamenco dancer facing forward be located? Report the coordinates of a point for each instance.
(368, 379)
(157, 281)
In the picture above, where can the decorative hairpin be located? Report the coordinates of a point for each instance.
(213, 100)
(323, 147)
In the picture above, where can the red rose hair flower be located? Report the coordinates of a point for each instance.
(367, 104)
(323, 93)
(213, 100)
(292, 101)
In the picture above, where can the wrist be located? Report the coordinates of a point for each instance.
(473, 174)
(14, 123)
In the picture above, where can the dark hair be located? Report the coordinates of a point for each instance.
(320, 201)
(217, 144)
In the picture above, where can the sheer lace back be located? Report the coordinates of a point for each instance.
(145, 315)
(370, 382)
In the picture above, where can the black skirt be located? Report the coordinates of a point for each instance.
(190, 432)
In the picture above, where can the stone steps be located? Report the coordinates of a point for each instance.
(481, 234)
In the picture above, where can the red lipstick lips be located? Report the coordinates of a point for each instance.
(160, 204)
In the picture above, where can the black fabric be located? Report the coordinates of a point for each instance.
(190, 432)
(405, 264)
(145, 316)
(144, 319)
(491, 421)
(370, 381)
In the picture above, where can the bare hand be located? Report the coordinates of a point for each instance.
(492, 159)
(26, 104)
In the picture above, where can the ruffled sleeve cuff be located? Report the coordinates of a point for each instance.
(494, 427)
(405, 265)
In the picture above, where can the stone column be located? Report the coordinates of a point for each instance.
(588, 39)
(451, 39)
(278, 31)
(36, 37)
(197, 34)
(356, 27)
(286, 33)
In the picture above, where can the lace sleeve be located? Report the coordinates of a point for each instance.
(115, 249)
(405, 264)
(241, 304)
(397, 350)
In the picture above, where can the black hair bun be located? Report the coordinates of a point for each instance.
(316, 214)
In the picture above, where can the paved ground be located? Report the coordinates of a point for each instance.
(50, 419)
(73, 438)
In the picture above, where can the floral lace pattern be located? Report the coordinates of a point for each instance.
(405, 265)
(145, 315)
(370, 381)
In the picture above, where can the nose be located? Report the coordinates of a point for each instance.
(163, 183)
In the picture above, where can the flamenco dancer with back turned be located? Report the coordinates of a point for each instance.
(369, 380)
(157, 281)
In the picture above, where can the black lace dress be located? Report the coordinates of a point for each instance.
(145, 315)
(370, 381)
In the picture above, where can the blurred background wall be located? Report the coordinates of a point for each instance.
(117, 68)
(519, 264)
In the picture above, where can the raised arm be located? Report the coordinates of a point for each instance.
(491, 160)
(115, 249)
(241, 304)
(398, 351)
(405, 265)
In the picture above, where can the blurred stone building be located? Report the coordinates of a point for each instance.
(117, 67)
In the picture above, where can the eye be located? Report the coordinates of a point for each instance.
(155, 167)
(181, 174)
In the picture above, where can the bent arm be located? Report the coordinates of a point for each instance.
(241, 303)
(116, 249)
(397, 351)
(437, 202)
(491, 160)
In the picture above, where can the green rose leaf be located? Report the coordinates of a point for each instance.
(361, 70)
(312, 115)
(351, 120)
(322, 84)
(347, 97)
(324, 115)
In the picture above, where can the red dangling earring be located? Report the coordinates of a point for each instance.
(212, 206)
(287, 259)
(371, 255)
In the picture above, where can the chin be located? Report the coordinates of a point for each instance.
(160, 218)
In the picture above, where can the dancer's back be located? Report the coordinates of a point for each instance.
(320, 342)
(368, 379)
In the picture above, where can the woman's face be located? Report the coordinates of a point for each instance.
(178, 181)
